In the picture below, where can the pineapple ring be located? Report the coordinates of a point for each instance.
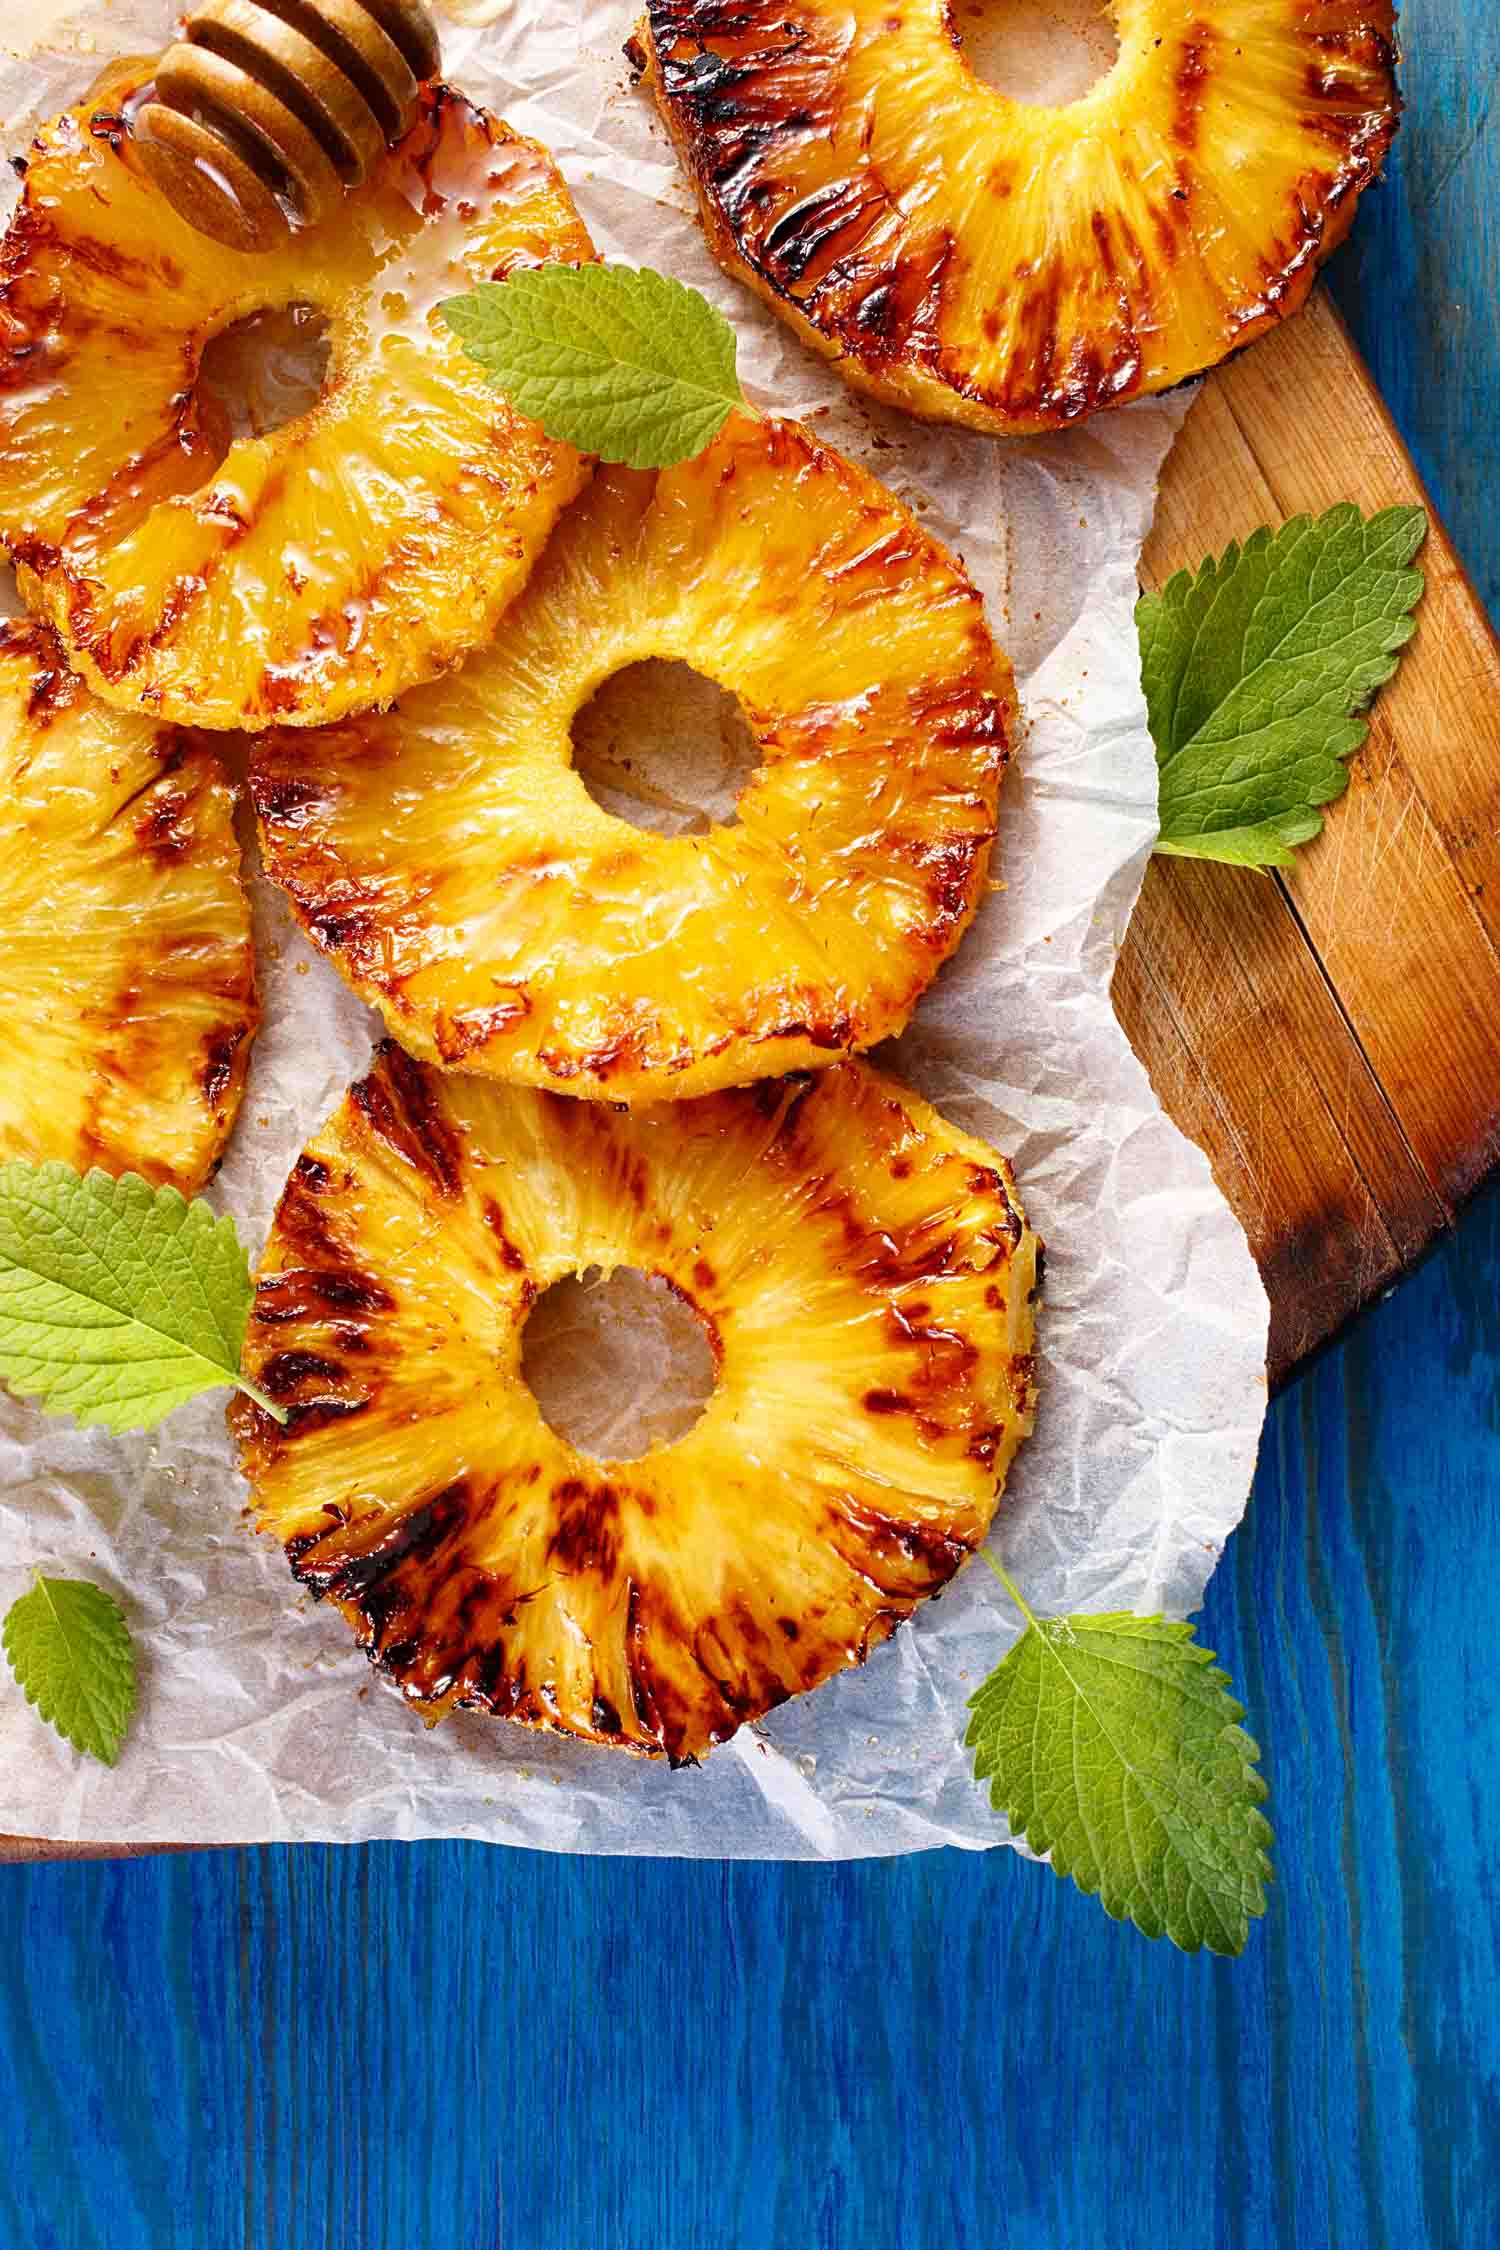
(866, 1278)
(127, 978)
(453, 865)
(324, 566)
(981, 260)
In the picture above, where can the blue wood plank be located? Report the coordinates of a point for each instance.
(446, 2048)
(1419, 277)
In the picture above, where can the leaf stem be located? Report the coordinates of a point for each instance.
(1014, 1591)
(266, 1405)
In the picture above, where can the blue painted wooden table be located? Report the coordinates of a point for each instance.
(452, 2048)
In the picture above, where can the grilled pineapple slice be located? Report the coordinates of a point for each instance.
(449, 859)
(981, 260)
(866, 1280)
(328, 564)
(127, 980)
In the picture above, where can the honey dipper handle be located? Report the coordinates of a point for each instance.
(264, 112)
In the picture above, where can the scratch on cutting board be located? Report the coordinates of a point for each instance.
(1384, 842)
(1372, 1230)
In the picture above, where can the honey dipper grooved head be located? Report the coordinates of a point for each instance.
(265, 110)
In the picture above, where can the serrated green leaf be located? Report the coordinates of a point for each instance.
(1254, 671)
(616, 360)
(69, 1647)
(1113, 1744)
(118, 1301)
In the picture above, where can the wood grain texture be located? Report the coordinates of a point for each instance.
(1327, 1033)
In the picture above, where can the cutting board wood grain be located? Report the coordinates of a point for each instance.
(1329, 1034)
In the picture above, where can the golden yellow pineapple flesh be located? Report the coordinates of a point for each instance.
(983, 260)
(450, 860)
(866, 1279)
(325, 565)
(127, 980)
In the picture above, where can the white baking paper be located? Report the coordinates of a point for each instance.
(258, 1717)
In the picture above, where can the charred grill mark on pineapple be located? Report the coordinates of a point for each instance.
(340, 1565)
(290, 797)
(906, 1561)
(1191, 80)
(134, 1060)
(628, 1050)
(306, 1294)
(226, 1057)
(324, 1289)
(402, 1105)
(951, 870)
(348, 929)
(313, 1388)
(53, 689)
(587, 1532)
(302, 1222)
(286, 1372)
(747, 75)
(494, 1219)
(165, 829)
(831, 1033)
(426, 1615)
(827, 225)
(467, 1029)
(899, 312)
(638, 1666)
(748, 92)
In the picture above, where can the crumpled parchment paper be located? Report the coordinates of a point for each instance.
(258, 1717)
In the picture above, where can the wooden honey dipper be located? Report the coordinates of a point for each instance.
(265, 112)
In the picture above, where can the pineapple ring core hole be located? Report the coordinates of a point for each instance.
(260, 373)
(1045, 53)
(618, 1363)
(664, 747)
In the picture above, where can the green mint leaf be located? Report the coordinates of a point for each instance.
(118, 1301)
(69, 1647)
(1255, 669)
(1113, 1744)
(616, 360)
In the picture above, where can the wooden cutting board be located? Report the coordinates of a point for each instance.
(1331, 1035)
